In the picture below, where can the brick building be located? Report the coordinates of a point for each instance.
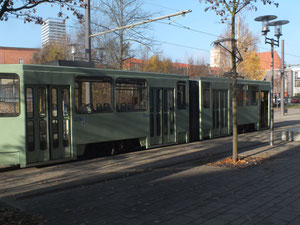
(12, 55)
(291, 87)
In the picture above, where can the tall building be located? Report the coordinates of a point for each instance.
(53, 30)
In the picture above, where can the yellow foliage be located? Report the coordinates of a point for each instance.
(166, 65)
(52, 51)
(155, 64)
(250, 67)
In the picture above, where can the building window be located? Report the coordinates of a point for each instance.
(297, 83)
(20, 61)
(131, 95)
(9, 95)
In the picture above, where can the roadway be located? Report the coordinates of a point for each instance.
(171, 185)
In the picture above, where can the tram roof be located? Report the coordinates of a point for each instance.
(83, 70)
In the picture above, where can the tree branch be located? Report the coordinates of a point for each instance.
(244, 5)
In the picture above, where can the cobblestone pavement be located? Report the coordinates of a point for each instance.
(172, 185)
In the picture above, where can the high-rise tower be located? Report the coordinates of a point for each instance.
(53, 30)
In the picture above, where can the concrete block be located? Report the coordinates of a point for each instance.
(291, 135)
(297, 135)
(285, 135)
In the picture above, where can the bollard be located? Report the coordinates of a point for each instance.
(285, 136)
(297, 135)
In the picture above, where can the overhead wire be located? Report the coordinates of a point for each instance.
(175, 24)
(214, 35)
(190, 47)
(161, 6)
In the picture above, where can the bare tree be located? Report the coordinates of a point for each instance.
(75, 37)
(197, 68)
(120, 45)
(225, 9)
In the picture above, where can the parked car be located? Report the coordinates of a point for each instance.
(295, 100)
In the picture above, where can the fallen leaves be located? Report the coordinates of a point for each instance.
(241, 163)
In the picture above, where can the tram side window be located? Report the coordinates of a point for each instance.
(206, 95)
(181, 95)
(252, 96)
(65, 102)
(9, 95)
(131, 95)
(93, 96)
(240, 95)
(29, 102)
(42, 101)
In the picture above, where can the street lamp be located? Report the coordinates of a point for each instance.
(73, 50)
(273, 42)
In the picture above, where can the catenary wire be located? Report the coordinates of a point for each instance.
(180, 45)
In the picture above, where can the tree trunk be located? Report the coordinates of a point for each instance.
(234, 91)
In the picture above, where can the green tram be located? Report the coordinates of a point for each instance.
(50, 114)
(211, 106)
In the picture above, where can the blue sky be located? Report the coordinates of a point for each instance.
(182, 43)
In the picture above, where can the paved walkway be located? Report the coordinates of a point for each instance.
(172, 185)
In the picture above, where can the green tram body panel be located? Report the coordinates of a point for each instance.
(49, 128)
(215, 106)
(74, 130)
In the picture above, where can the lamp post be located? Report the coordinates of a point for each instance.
(273, 42)
(73, 50)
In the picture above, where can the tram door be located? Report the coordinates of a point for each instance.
(162, 116)
(220, 112)
(47, 123)
(264, 109)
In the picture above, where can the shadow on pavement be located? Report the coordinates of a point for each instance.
(186, 193)
(81, 173)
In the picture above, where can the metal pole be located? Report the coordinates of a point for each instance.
(88, 31)
(88, 51)
(282, 79)
(271, 94)
(141, 23)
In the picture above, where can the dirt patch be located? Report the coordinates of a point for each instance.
(12, 216)
(243, 162)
